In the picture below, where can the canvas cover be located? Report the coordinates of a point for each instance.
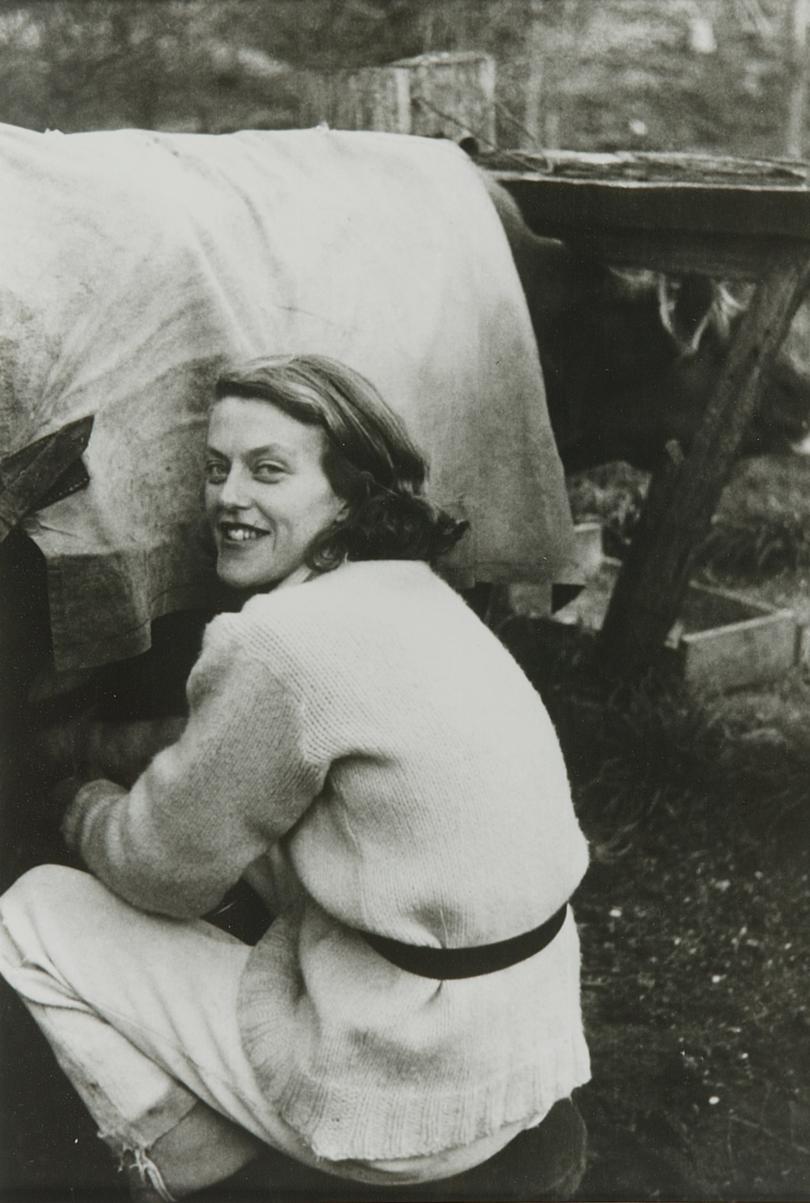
(134, 265)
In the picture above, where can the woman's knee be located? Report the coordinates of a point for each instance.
(46, 895)
(48, 884)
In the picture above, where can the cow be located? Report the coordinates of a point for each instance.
(631, 359)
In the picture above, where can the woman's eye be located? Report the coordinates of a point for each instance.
(216, 473)
(267, 471)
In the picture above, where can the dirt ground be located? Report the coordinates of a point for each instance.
(695, 926)
(695, 989)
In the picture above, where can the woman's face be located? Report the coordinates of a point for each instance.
(266, 493)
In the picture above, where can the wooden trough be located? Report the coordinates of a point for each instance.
(720, 641)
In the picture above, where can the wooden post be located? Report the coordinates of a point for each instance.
(683, 498)
(452, 95)
(438, 94)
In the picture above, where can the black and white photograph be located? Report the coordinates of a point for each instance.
(404, 601)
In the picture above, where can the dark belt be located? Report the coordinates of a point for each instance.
(445, 963)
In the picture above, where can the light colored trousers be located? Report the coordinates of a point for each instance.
(141, 1013)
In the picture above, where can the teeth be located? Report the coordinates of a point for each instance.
(241, 534)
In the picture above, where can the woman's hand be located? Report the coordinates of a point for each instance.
(65, 795)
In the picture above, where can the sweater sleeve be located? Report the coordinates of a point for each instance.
(237, 779)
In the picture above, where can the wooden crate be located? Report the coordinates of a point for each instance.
(721, 641)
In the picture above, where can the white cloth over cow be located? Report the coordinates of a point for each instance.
(135, 264)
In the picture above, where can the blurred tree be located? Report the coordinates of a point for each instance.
(77, 64)
(93, 63)
(533, 102)
(84, 64)
(798, 16)
(685, 75)
(327, 34)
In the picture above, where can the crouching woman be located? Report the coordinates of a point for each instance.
(366, 753)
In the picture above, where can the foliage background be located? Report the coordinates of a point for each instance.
(712, 75)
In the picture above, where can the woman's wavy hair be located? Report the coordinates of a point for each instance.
(370, 459)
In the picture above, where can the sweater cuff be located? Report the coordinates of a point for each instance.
(89, 799)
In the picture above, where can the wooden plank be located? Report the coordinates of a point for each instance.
(573, 206)
(683, 496)
(740, 653)
(721, 641)
(648, 166)
(717, 216)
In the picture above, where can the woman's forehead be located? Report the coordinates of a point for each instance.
(243, 424)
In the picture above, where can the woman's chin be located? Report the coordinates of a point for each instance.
(243, 577)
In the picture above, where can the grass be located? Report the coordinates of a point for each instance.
(613, 495)
(639, 748)
(761, 529)
(753, 546)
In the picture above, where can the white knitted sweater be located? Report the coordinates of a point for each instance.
(370, 722)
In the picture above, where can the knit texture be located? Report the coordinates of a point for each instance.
(368, 722)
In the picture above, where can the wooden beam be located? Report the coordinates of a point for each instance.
(763, 209)
(683, 496)
(673, 213)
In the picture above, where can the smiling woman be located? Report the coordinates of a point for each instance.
(266, 493)
(365, 753)
(359, 474)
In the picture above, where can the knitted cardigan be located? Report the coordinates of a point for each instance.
(368, 728)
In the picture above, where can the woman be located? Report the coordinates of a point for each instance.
(365, 752)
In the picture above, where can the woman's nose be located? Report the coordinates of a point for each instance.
(233, 492)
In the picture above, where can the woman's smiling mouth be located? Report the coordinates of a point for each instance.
(239, 532)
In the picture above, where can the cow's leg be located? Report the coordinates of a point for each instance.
(489, 602)
(28, 833)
